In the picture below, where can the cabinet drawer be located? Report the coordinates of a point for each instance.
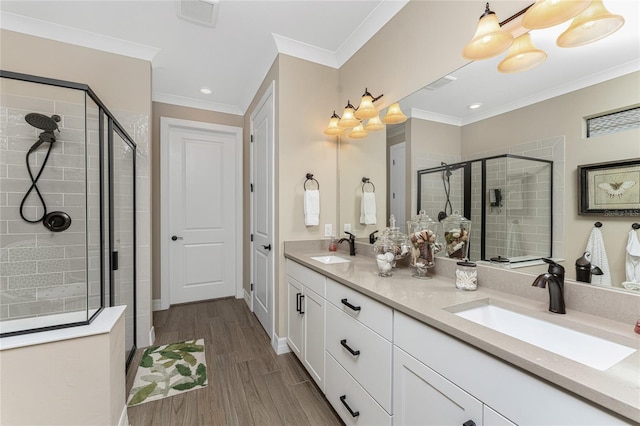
(311, 279)
(371, 313)
(342, 390)
(370, 365)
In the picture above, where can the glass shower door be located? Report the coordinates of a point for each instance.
(123, 233)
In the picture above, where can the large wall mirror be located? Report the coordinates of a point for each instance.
(538, 113)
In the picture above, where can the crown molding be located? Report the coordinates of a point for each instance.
(308, 52)
(65, 34)
(167, 98)
(434, 116)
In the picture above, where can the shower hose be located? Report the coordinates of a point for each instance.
(34, 184)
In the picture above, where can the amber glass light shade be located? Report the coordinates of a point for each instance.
(489, 40)
(594, 23)
(366, 108)
(358, 132)
(394, 115)
(523, 55)
(348, 117)
(374, 124)
(547, 13)
(333, 129)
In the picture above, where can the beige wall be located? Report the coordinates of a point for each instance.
(71, 382)
(184, 113)
(564, 116)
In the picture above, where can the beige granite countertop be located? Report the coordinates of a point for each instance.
(431, 301)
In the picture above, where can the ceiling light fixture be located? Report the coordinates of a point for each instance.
(475, 106)
(522, 56)
(594, 23)
(489, 39)
(547, 13)
(206, 90)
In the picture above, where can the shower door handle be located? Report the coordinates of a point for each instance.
(175, 237)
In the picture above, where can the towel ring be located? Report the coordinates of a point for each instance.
(366, 180)
(636, 226)
(309, 177)
(598, 224)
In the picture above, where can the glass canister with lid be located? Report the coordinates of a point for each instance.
(385, 250)
(456, 235)
(423, 234)
(399, 239)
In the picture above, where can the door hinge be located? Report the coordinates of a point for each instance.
(251, 187)
(114, 261)
(251, 237)
(251, 138)
(251, 286)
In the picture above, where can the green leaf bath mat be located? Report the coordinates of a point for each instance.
(169, 370)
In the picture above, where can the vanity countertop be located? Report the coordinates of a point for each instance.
(430, 301)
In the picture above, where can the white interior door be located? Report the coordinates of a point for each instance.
(263, 248)
(397, 184)
(202, 213)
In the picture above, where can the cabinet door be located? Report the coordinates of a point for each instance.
(492, 418)
(423, 397)
(314, 335)
(295, 318)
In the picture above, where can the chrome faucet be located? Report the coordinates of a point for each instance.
(352, 242)
(555, 278)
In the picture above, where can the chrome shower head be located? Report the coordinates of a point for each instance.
(42, 122)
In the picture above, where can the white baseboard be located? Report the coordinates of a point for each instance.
(152, 335)
(156, 305)
(248, 300)
(279, 345)
(124, 418)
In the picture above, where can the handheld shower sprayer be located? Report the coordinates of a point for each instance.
(54, 221)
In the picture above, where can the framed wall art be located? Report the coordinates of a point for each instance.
(610, 189)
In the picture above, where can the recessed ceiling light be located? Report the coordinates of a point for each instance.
(206, 90)
(475, 106)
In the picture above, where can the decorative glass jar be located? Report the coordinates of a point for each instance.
(456, 235)
(385, 250)
(399, 239)
(466, 275)
(423, 234)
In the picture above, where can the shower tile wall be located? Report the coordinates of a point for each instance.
(525, 208)
(42, 272)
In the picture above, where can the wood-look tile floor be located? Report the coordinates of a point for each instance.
(248, 384)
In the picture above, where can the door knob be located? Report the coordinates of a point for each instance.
(175, 237)
(267, 247)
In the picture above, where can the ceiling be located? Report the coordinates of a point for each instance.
(233, 57)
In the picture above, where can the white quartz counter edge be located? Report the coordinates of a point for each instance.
(617, 389)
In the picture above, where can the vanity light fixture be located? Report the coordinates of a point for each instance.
(374, 124)
(547, 13)
(366, 108)
(394, 115)
(489, 39)
(358, 132)
(348, 117)
(594, 23)
(333, 129)
(522, 56)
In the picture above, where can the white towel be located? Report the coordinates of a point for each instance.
(598, 257)
(311, 207)
(632, 265)
(368, 208)
(514, 238)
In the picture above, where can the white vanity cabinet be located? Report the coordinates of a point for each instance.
(437, 376)
(359, 356)
(306, 318)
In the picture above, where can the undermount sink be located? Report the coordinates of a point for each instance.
(331, 259)
(589, 350)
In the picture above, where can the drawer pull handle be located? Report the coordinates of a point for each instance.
(343, 399)
(301, 304)
(298, 308)
(469, 423)
(343, 342)
(355, 308)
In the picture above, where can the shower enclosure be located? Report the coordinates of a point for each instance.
(67, 212)
(507, 197)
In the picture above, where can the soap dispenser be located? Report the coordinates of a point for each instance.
(584, 269)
